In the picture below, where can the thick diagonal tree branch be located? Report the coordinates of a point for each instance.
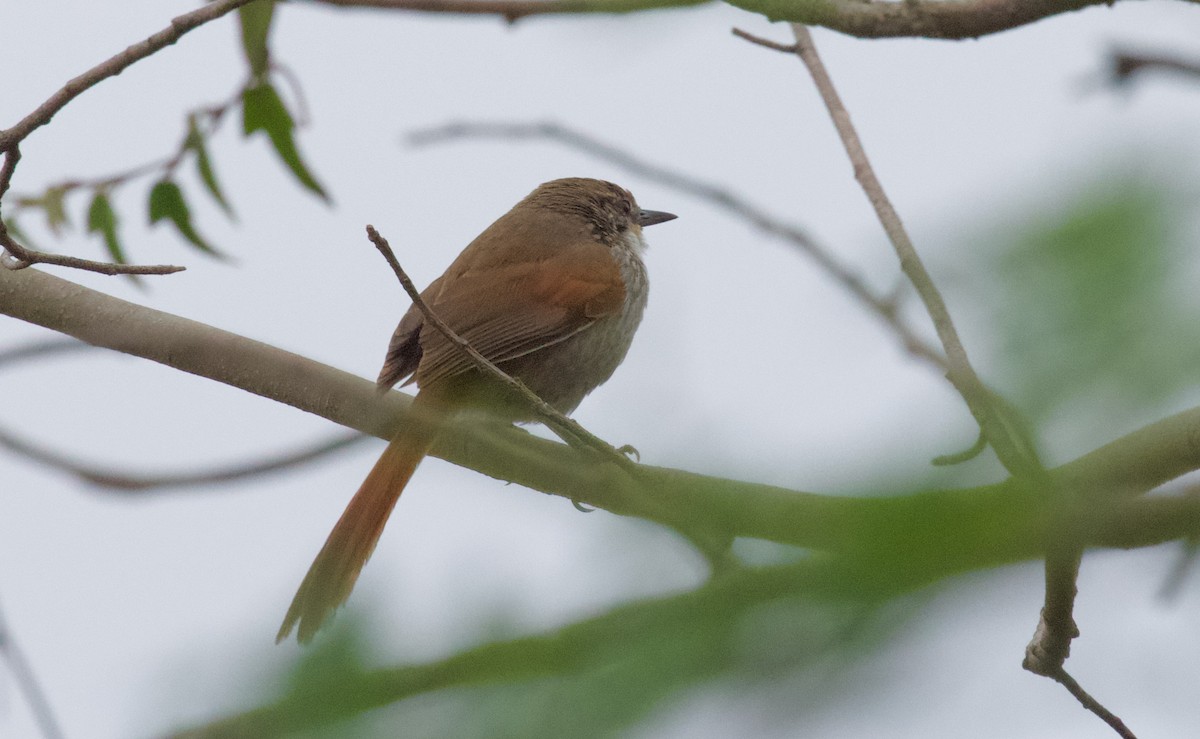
(1107, 478)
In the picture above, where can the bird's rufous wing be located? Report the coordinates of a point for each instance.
(509, 310)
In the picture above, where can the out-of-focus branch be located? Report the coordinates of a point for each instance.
(128, 482)
(884, 308)
(132, 482)
(1124, 65)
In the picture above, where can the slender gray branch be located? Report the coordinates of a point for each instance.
(1015, 452)
(14, 256)
(1087, 701)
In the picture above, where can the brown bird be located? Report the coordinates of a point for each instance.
(552, 293)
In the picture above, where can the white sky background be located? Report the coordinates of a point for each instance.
(750, 363)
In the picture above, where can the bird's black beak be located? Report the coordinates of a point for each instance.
(651, 217)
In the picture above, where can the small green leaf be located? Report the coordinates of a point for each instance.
(52, 202)
(263, 110)
(166, 202)
(103, 220)
(255, 20)
(195, 143)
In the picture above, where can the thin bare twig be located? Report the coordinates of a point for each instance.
(884, 308)
(765, 42)
(12, 156)
(1015, 452)
(22, 672)
(1091, 704)
(14, 256)
(568, 430)
(126, 482)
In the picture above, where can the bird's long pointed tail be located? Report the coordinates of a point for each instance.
(335, 569)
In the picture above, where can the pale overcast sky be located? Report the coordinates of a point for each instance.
(750, 362)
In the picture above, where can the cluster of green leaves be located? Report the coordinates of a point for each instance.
(263, 109)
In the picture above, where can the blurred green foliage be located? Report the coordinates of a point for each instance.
(594, 678)
(1091, 302)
